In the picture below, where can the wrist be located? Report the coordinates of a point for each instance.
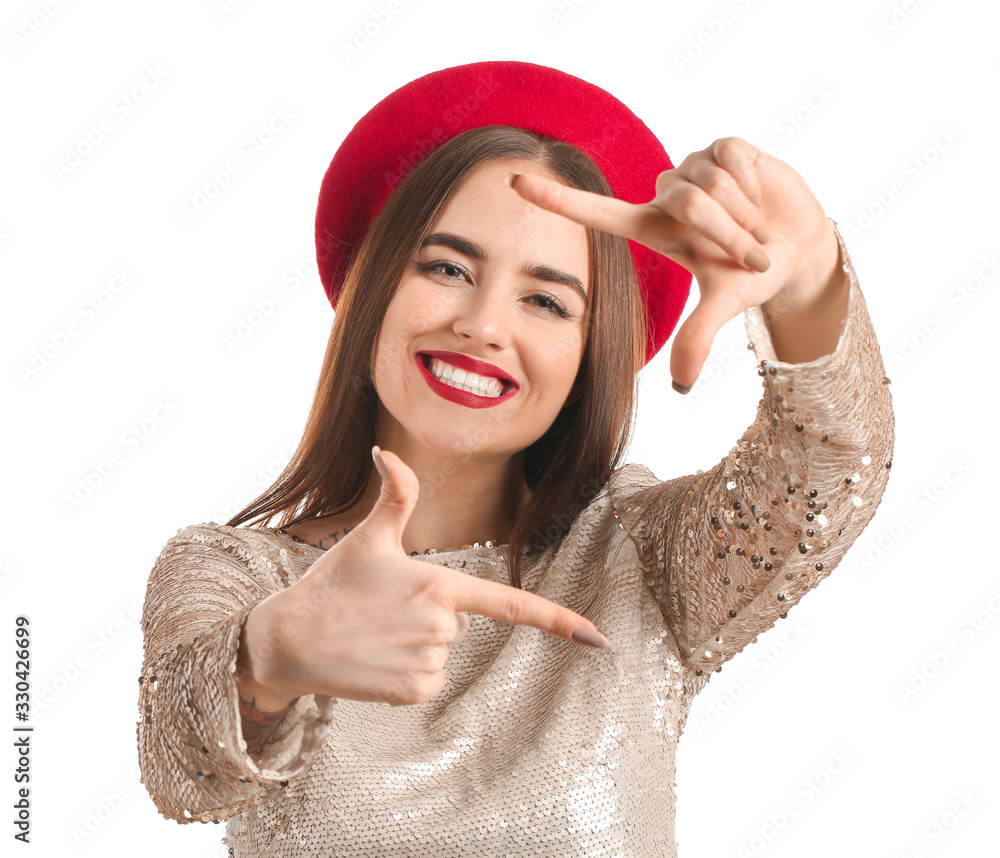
(807, 324)
(256, 661)
(263, 698)
(815, 280)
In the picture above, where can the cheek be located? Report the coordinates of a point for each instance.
(417, 307)
(562, 356)
(429, 306)
(389, 349)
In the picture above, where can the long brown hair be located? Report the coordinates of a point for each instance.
(565, 468)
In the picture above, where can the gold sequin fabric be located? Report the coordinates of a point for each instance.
(537, 746)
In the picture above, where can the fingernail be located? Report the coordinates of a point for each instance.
(680, 388)
(380, 464)
(590, 637)
(510, 178)
(756, 260)
(761, 233)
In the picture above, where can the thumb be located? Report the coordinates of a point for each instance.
(400, 489)
(693, 342)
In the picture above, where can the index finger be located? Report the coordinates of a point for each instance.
(511, 605)
(608, 214)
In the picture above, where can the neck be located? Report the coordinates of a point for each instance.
(463, 499)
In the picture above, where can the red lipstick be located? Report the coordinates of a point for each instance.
(472, 365)
(463, 397)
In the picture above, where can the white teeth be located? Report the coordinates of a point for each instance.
(453, 376)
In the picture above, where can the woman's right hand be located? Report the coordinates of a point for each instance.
(368, 622)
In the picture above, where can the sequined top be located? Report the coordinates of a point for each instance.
(537, 745)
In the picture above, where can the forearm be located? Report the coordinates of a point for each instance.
(776, 516)
(806, 318)
(204, 592)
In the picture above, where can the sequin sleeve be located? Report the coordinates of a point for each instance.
(192, 754)
(731, 550)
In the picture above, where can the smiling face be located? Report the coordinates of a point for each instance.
(500, 281)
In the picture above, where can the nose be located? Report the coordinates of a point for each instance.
(484, 316)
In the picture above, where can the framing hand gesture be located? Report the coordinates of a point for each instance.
(744, 223)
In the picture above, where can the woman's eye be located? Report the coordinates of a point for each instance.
(456, 272)
(448, 269)
(549, 303)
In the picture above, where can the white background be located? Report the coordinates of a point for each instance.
(203, 78)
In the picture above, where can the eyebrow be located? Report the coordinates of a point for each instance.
(536, 271)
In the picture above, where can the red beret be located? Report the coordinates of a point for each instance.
(399, 131)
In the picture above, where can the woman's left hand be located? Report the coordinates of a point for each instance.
(723, 213)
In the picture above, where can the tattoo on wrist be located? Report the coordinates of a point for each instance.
(258, 725)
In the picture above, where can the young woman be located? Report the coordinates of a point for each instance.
(458, 537)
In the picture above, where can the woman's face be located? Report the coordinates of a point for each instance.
(498, 280)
